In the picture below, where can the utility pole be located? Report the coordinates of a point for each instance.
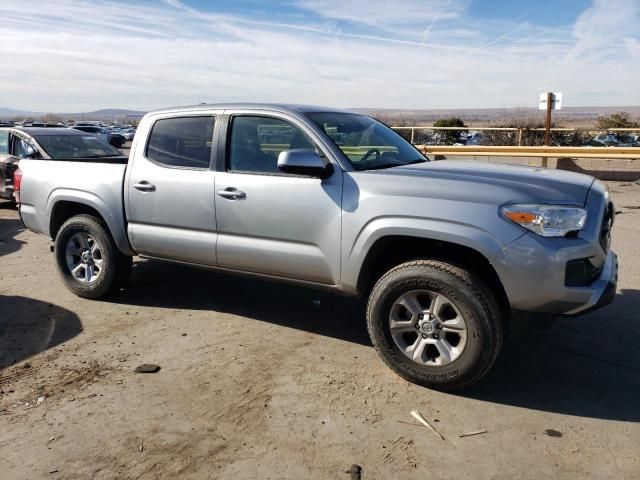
(547, 128)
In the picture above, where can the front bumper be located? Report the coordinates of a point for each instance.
(603, 289)
(533, 269)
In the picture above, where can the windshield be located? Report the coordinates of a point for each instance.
(75, 146)
(367, 143)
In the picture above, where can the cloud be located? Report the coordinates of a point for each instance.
(385, 12)
(607, 25)
(74, 55)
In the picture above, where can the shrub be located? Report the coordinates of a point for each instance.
(616, 120)
(450, 136)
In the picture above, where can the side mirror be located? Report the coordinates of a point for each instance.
(303, 161)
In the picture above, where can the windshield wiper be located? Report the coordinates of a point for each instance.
(392, 165)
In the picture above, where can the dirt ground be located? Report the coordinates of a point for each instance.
(262, 380)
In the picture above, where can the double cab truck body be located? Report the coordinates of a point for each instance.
(444, 251)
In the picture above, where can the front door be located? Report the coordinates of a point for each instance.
(170, 204)
(270, 222)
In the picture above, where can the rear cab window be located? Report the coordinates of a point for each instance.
(183, 142)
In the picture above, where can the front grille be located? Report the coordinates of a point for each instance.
(605, 228)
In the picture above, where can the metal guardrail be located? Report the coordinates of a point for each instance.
(628, 153)
(519, 131)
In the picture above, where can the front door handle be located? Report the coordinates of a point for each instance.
(144, 186)
(232, 193)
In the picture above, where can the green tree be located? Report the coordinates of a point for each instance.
(617, 120)
(450, 136)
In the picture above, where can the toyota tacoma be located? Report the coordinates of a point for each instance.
(445, 252)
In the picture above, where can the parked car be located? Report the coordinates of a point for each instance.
(443, 251)
(103, 134)
(471, 138)
(17, 144)
(9, 157)
(117, 140)
(129, 134)
(607, 139)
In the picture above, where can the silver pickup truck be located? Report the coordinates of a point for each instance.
(444, 251)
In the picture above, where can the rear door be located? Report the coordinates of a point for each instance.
(270, 222)
(170, 204)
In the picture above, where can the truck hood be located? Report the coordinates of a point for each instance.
(513, 183)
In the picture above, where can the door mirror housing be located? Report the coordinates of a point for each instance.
(304, 161)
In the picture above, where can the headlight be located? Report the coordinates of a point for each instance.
(546, 220)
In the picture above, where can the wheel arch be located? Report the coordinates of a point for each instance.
(63, 206)
(392, 250)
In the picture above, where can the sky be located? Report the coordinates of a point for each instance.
(82, 55)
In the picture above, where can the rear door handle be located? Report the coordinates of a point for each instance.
(232, 193)
(144, 186)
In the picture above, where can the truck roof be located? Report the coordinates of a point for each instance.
(278, 107)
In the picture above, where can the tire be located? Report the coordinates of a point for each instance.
(109, 268)
(461, 294)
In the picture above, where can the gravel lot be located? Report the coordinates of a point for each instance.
(262, 380)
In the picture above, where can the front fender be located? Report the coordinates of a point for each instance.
(471, 236)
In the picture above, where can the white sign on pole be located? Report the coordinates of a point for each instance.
(556, 101)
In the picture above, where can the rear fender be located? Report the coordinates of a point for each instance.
(113, 219)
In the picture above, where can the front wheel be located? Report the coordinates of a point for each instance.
(435, 324)
(88, 260)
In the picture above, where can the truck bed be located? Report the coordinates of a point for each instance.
(97, 183)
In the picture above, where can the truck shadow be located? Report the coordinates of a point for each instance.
(604, 173)
(167, 285)
(9, 228)
(586, 366)
(28, 327)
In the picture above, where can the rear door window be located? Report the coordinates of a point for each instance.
(182, 142)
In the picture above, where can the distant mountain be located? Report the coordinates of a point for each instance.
(119, 112)
(106, 114)
(12, 111)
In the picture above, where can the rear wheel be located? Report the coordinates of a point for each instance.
(435, 324)
(88, 260)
